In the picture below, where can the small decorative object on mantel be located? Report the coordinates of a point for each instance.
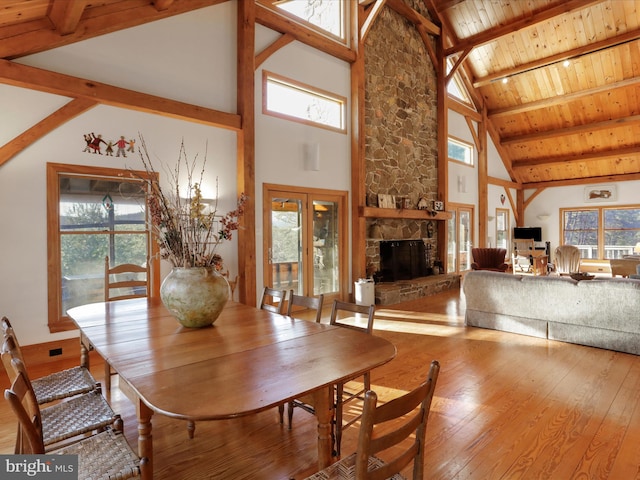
(188, 231)
(386, 201)
(423, 204)
(438, 206)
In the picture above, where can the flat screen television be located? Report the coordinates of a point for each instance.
(525, 233)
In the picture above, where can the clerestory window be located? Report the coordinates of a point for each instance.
(288, 99)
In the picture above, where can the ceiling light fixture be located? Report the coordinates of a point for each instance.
(566, 63)
(505, 80)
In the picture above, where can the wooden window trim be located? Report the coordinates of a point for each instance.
(459, 162)
(266, 75)
(62, 323)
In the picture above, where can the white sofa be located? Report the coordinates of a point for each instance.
(602, 313)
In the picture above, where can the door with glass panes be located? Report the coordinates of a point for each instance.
(305, 240)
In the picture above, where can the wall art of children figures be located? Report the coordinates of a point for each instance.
(94, 143)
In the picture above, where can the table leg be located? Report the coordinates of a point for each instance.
(145, 444)
(84, 352)
(323, 404)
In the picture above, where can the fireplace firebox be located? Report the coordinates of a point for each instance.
(402, 260)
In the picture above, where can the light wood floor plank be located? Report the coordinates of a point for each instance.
(506, 406)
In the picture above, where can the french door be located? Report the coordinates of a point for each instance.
(460, 238)
(305, 240)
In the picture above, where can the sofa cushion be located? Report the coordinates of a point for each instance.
(600, 312)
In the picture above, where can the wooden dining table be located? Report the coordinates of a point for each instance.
(248, 361)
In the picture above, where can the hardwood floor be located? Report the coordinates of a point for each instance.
(506, 406)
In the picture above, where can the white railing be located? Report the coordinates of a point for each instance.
(591, 251)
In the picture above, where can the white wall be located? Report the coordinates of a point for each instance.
(189, 58)
(551, 200)
(280, 143)
(495, 168)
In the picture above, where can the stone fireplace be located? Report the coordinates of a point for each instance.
(401, 131)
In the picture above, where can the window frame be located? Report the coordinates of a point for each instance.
(58, 321)
(464, 144)
(344, 27)
(600, 229)
(268, 76)
(456, 80)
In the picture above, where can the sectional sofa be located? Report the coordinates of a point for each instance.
(603, 312)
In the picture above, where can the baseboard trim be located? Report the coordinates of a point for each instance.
(41, 353)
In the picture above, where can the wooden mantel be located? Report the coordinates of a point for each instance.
(414, 214)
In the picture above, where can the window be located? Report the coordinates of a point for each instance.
(455, 86)
(502, 229)
(92, 213)
(328, 17)
(460, 151)
(602, 232)
(288, 99)
(305, 240)
(459, 238)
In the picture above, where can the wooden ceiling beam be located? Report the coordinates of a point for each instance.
(162, 4)
(37, 36)
(582, 158)
(269, 50)
(563, 99)
(578, 129)
(368, 19)
(40, 129)
(401, 8)
(627, 177)
(553, 59)
(503, 183)
(526, 22)
(267, 16)
(51, 82)
(66, 15)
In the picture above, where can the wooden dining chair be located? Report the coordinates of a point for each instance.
(358, 317)
(85, 413)
(57, 385)
(273, 300)
(104, 455)
(122, 282)
(232, 283)
(296, 304)
(401, 438)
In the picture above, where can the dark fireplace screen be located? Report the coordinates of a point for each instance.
(402, 260)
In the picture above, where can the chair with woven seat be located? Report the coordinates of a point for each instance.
(232, 283)
(403, 418)
(350, 315)
(567, 259)
(85, 413)
(57, 385)
(122, 282)
(301, 303)
(273, 300)
(104, 455)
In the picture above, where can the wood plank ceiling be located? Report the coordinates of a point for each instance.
(553, 123)
(560, 81)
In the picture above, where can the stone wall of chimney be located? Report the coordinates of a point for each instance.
(400, 128)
